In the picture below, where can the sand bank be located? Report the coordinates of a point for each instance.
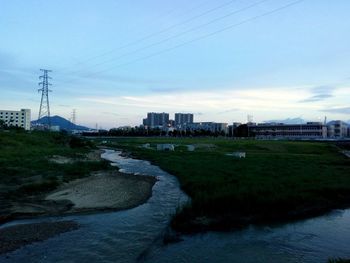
(105, 190)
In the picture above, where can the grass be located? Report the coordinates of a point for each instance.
(339, 260)
(278, 179)
(25, 168)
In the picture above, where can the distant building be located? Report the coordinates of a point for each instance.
(207, 126)
(171, 123)
(337, 129)
(183, 118)
(310, 130)
(16, 118)
(55, 128)
(144, 122)
(155, 119)
(232, 128)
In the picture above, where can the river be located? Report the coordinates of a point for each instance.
(135, 235)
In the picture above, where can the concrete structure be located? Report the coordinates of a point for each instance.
(55, 128)
(183, 118)
(237, 154)
(155, 119)
(165, 147)
(337, 129)
(310, 130)
(16, 118)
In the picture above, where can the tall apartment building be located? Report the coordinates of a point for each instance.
(155, 119)
(16, 118)
(183, 118)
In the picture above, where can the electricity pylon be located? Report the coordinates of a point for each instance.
(44, 110)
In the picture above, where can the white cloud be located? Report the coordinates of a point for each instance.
(262, 103)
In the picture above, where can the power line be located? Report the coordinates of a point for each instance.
(177, 35)
(135, 42)
(199, 38)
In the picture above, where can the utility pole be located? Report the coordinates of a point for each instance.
(44, 103)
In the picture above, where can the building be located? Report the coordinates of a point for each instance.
(337, 129)
(232, 128)
(214, 127)
(16, 118)
(310, 130)
(183, 118)
(155, 119)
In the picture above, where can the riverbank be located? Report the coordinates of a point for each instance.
(104, 190)
(14, 237)
(277, 181)
(49, 174)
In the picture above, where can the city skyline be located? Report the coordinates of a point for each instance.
(112, 61)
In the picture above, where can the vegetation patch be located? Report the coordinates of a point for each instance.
(277, 179)
(26, 172)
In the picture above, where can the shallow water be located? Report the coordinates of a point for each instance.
(135, 234)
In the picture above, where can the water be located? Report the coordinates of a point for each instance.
(135, 234)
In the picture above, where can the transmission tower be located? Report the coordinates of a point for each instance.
(74, 116)
(44, 110)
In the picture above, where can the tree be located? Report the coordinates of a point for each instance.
(3, 124)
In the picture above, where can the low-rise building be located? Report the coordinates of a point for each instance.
(310, 130)
(207, 126)
(337, 129)
(19, 118)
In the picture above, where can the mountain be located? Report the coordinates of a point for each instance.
(59, 121)
(288, 121)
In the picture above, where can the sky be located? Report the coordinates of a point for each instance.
(115, 60)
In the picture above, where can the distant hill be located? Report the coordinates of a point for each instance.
(59, 121)
(288, 121)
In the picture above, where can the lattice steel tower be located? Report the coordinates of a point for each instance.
(44, 110)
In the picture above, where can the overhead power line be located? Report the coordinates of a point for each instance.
(177, 35)
(229, 27)
(146, 37)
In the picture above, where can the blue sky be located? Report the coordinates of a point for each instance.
(114, 61)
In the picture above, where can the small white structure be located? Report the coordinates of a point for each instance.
(55, 128)
(146, 146)
(165, 147)
(190, 148)
(237, 154)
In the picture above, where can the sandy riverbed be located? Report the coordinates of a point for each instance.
(105, 190)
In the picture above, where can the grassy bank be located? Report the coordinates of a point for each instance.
(277, 180)
(27, 169)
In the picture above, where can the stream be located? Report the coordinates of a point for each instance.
(135, 235)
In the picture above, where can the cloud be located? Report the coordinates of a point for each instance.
(168, 90)
(320, 93)
(228, 111)
(341, 110)
(110, 113)
(214, 102)
(317, 98)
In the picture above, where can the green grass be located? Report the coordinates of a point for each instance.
(277, 179)
(339, 260)
(25, 169)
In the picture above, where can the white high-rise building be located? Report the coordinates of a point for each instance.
(183, 118)
(16, 118)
